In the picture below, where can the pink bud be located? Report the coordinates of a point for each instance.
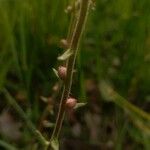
(62, 72)
(71, 103)
(68, 9)
(64, 43)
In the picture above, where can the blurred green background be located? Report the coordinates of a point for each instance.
(115, 47)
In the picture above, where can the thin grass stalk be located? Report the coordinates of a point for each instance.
(79, 27)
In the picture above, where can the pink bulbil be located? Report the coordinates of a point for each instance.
(71, 103)
(62, 72)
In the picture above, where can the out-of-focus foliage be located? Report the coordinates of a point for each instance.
(115, 47)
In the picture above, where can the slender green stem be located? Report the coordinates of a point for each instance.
(119, 100)
(108, 93)
(7, 145)
(84, 7)
(22, 114)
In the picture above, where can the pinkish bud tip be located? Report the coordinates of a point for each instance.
(64, 43)
(62, 72)
(71, 102)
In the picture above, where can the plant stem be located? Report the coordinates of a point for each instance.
(108, 93)
(30, 125)
(7, 145)
(84, 7)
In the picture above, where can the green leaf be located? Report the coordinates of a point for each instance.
(78, 105)
(55, 144)
(48, 124)
(65, 55)
(55, 72)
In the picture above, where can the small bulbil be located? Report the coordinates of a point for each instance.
(62, 72)
(71, 103)
(64, 43)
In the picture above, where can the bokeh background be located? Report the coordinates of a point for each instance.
(115, 47)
